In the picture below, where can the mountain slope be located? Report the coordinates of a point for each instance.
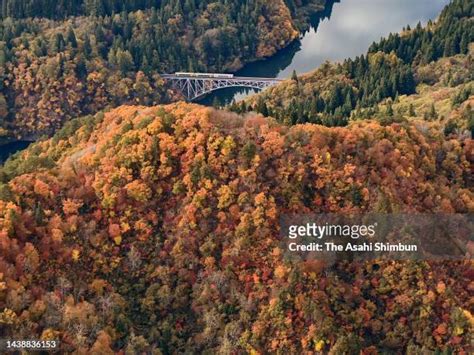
(158, 228)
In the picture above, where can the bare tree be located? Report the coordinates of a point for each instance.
(134, 258)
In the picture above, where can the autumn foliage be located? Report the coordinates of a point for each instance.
(98, 54)
(157, 228)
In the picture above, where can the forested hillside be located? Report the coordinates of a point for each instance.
(157, 228)
(393, 67)
(59, 9)
(63, 8)
(52, 70)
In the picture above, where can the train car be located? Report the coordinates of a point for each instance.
(205, 75)
(183, 74)
(227, 76)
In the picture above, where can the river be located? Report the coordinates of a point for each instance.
(344, 29)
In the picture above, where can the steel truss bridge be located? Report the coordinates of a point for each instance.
(195, 85)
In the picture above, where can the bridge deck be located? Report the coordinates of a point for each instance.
(197, 77)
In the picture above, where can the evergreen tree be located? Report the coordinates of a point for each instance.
(87, 48)
(294, 76)
(389, 108)
(124, 61)
(215, 102)
(71, 38)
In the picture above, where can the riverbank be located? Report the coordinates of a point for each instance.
(302, 20)
(12, 146)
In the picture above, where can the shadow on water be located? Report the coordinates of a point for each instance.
(8, 149)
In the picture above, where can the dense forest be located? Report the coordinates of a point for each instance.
(55, 9)
(390, 69)
(53, 70)
(157, 228)
(61, 9)
(152, 228)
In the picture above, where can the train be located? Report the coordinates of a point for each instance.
(205, 75)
